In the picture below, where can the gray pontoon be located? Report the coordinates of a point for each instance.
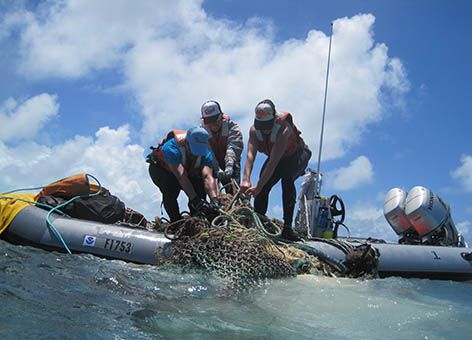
(141, 246)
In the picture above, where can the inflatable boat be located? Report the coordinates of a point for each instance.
(138, 245)
(113, 241)
(429, 244)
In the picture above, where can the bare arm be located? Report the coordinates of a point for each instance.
(209, 181)
(274, 159)
(179, 172)
(250, 158)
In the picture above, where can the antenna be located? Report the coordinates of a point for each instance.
(318, 174)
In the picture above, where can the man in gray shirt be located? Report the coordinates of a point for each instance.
(226, 142)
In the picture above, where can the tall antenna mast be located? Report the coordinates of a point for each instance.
(318, 174)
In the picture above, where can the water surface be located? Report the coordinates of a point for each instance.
(48, 295)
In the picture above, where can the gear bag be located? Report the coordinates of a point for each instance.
(77, 185)
(104, 207)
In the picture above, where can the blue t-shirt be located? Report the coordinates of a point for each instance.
(173, 155)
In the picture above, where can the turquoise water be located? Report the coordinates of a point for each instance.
(57, 296)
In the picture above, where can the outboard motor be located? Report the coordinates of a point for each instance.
(394, 212)
(431, 218)
(421, 217)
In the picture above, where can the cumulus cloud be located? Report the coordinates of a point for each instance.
(464, 172)
(69, 39)
(23, 120)
(172, 79)
(358, 172)
(277, 211)
(173, 57)
(109, 156)
(366, 220)
(465, 228)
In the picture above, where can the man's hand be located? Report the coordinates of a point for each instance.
(245, 185)
(222, 177)
(198, 204)
(203, 208)
(215, 203)
(253, 190)
(229, 170)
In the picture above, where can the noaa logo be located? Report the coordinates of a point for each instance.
(89, 240)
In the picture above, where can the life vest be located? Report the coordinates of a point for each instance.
(218, 141)
(265, 143)
(190, 162)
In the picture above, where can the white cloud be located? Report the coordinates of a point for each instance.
(277, 211)
(23, 120)
(464, 172)
(365, 220)
(72, 38)
(174, 57)
(464, 228)
(117, 164)
(171, 80)
(359, 172)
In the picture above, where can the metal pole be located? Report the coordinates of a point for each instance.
(318, 175)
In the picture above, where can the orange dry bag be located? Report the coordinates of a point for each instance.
(77, 185)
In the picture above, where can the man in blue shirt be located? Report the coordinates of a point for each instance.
(183, 161)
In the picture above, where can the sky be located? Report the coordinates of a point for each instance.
(88, 86)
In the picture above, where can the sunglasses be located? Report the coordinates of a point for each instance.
(212, 120)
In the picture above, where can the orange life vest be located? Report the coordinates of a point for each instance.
(218, 141)
(190, 162)
(265, 142)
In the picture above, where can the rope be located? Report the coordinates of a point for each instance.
(31, 202)
(56, 208)
(49, 223)
(22, 189)
(241, 246)
(338, 266)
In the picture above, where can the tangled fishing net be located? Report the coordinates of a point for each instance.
(239, 246)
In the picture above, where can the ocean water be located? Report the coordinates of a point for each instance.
(49, 295)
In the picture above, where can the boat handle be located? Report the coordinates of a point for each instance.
(467, 256)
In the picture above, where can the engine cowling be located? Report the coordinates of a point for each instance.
(421, 216)
(394, 211)
(425, 210)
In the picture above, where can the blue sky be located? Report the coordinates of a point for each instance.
(88, 86)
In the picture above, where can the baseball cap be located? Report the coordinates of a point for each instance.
(197, 139)
(211, 111)
(265, 115)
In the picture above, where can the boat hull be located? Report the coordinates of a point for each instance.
(411, 261)
(106, 240)
(141, 246)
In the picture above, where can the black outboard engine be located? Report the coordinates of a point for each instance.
(421, 217)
